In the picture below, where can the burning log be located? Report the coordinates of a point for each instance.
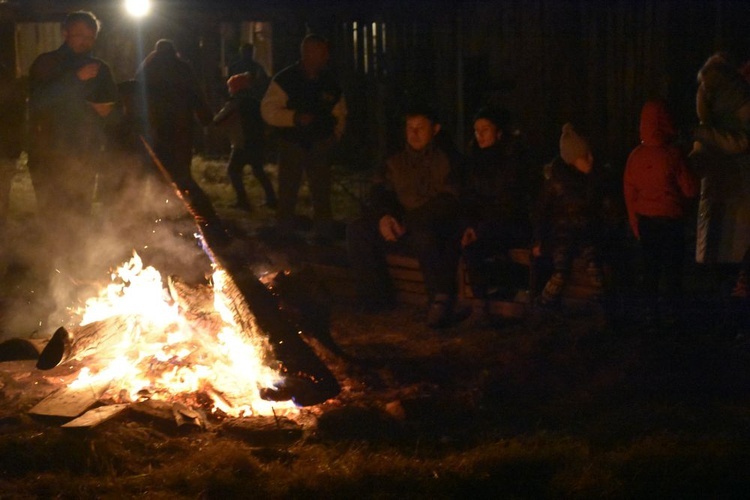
(206, 316)
(83, 341)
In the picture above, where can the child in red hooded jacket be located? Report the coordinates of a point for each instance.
(657, 185)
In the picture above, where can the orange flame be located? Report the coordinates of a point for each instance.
(162, 355)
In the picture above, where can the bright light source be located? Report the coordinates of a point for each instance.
(138, 8)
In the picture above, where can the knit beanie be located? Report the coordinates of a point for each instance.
(572, 145)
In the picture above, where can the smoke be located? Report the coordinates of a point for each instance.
(49, 272)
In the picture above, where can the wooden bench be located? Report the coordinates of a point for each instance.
(408, 282)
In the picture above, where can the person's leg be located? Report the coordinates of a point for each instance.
(256, 158)
(7, 171)
(177, 161)
(672, 260)
(366, 252)
(319, 179)
(237, 161)
(291, 165)
(562, 256)
(652, 255)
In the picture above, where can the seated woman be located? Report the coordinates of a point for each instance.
(495, 200)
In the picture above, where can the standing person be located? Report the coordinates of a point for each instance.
(246, 133)
(414, 204)
(720, 157)
(12, 102)
(306, 103)
(496, 205)
(71, 93)
(566, 220)
(657, 185)
(171, 102)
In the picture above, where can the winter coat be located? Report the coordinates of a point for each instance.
(291, 93)
(13, 104)
(60, 116)
(413, 179)
(171, 103)
(496, 190)
(657, 181)
(569, 205)
(723, 107)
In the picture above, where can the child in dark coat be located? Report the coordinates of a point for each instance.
(566, 220)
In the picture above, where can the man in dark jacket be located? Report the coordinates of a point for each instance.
(71, 93)
(307, 105)
(415, 204)
(12, 102)
(172, 102)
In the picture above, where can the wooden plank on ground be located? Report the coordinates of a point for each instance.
(70, 403)
(96, 416)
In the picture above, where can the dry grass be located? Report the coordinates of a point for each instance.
(531, 410)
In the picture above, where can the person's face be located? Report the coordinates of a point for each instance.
(420, 131)
(585, 164)
(315, 56)
(79, 37)
(486, 133)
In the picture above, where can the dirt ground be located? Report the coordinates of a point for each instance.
(573, 405)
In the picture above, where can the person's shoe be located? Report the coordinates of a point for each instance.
(438, 313)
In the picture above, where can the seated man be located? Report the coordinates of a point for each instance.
(415, 205)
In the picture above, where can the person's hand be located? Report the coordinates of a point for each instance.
(536, 250)
(239, 82)
(88, 71)
(390, 228)
(469, 237)
(635, 229)
(102, 109)
(303, 119)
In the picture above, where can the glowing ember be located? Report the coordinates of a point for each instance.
(168, 354)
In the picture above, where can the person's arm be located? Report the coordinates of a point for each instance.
(339, 112)
(541, 212)
(630, 193)
(686, 178)
(273, 107)
(49, 86)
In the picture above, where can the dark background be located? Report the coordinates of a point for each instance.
(546, 61)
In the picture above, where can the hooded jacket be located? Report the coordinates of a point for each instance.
(657, 181)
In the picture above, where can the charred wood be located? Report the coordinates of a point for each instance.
(81, 341)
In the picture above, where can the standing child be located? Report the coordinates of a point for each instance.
(566, 220)
(657, 185)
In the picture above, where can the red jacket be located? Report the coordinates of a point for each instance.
(657, 181)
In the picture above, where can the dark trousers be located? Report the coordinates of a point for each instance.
(662, 252)
(493, 238)
(436, 246)
(64, 188)
(294, 161)
(176, 158)
(255, 158)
